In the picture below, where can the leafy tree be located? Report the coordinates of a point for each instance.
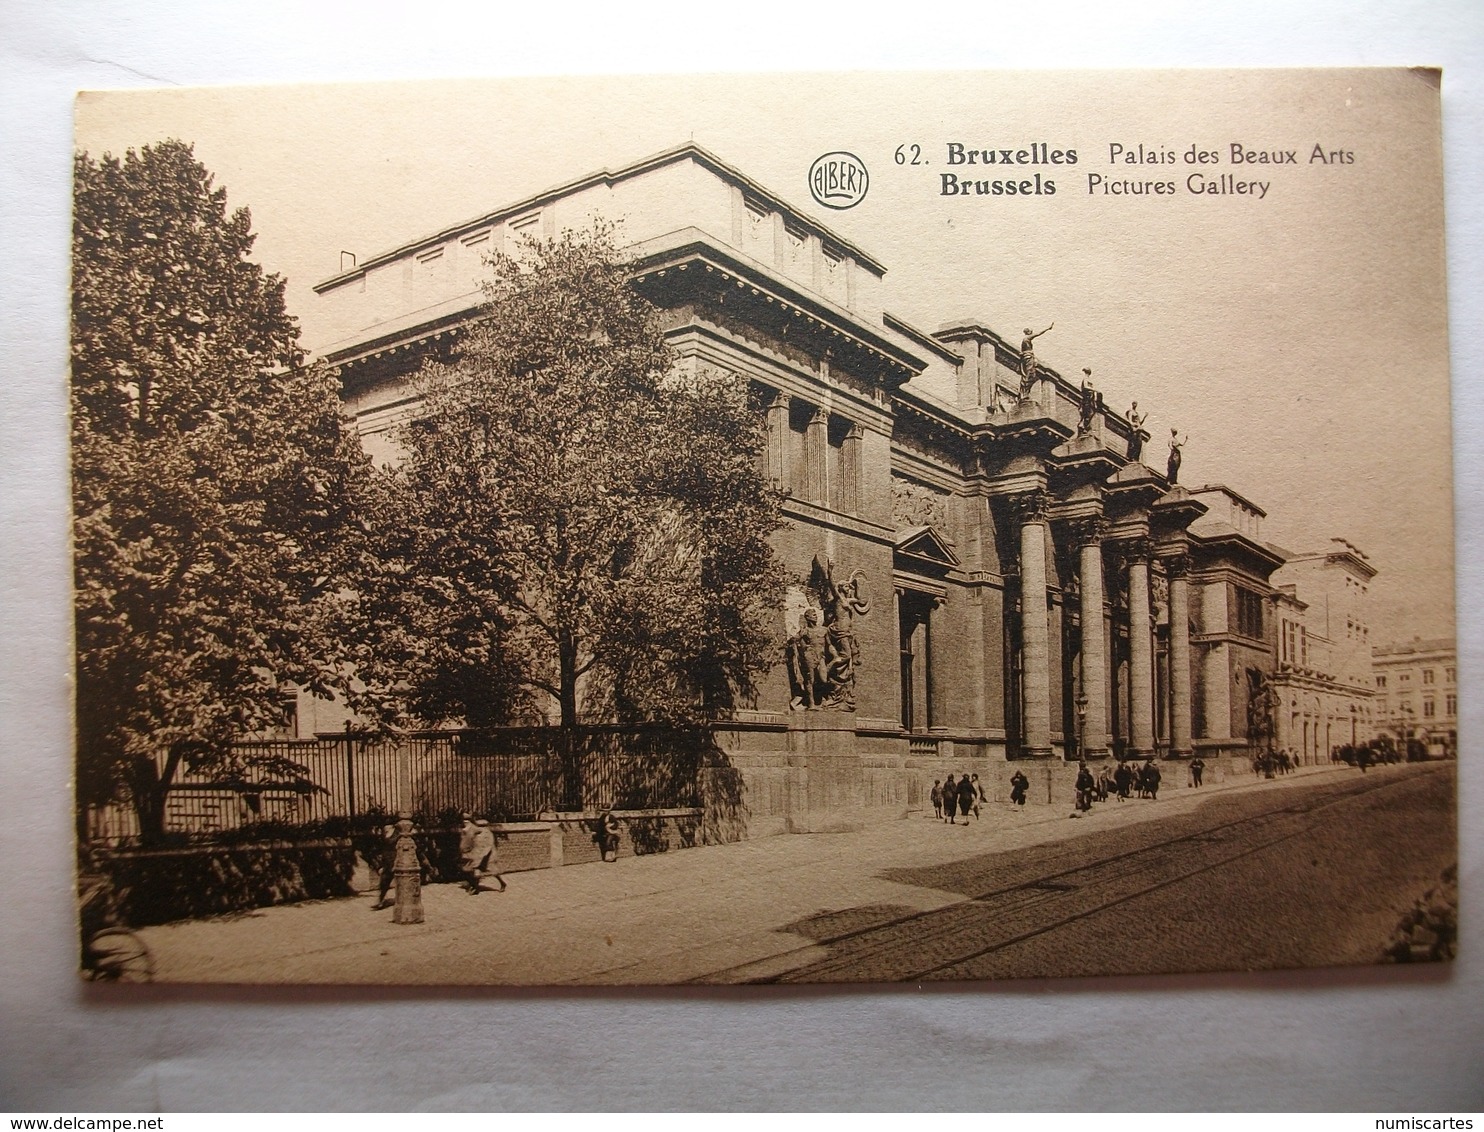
(580, 527)
(214, 482)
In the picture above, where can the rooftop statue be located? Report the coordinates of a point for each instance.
(1172, 469)
(1136, 440)
(1088, 404)
(1028, 360)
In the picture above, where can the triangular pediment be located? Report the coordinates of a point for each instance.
(926, 547)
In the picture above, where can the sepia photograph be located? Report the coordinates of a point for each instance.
(855, 528)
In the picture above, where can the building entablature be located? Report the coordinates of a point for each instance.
(691, 266)
(1173, 513)
(1218, 548)
(1085, 459)
(1025, 428)
(1083, 505)
(937, 423)
(1133, 490)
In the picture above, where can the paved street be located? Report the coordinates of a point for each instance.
(1309, 869)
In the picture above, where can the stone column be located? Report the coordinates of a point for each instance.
(1180, 731)
(778, 441)
(1089, 536)
(1140, 652)
(816, 448)
(1035, 632)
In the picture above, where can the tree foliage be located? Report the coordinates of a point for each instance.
(215, 485)
(579, 526)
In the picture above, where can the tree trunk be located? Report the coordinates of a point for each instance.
(571, 753)
(149, 790)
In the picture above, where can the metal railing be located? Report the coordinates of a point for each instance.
(504, 773)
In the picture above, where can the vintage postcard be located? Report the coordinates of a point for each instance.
(795, 528)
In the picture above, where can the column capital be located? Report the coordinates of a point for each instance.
(818, 415)
(1087, 531)
(1029, 506)
(1135, 550)
(779, 400)
(1176, 565)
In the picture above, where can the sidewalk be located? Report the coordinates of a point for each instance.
(669, 918)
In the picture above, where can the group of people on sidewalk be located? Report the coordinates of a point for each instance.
(478, 859)
(966, 796)
(1127, 779)
(952, 798)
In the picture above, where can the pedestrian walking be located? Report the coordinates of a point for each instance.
(386, 865)
(1084, 788)
(978, 796)
(937, 797)
(477, 855)
(1151, 778)
(950, 800)
(1197, 768)
(1019, 784)
(606, 835)
(1105, 783)
(1123, 780)
(967, 793)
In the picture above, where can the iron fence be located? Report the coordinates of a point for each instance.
(505, 774)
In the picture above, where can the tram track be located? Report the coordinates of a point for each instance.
(941, 943)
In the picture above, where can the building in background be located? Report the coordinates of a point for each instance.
(1417, 689)
(1324, 685)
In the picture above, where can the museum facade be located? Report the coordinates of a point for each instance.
(987, 569)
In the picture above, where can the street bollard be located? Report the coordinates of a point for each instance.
(407, 875)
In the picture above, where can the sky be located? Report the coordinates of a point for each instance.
(1296, 332)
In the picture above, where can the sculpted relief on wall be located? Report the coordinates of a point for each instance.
(917, 505)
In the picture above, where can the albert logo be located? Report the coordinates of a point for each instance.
(838, 180)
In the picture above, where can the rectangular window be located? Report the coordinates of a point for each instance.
(1404, 678)
(1427, 675)
(1249, 613)
(1450, 675)
(1381, 681)
(1450, 704)
(1429, 709)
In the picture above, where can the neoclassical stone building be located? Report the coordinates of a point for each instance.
(983, 573)
(1325, 689)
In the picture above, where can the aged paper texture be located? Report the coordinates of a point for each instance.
(849, 528)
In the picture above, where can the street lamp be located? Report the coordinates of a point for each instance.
(1082, 726)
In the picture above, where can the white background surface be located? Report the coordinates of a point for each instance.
(1382, 1039)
